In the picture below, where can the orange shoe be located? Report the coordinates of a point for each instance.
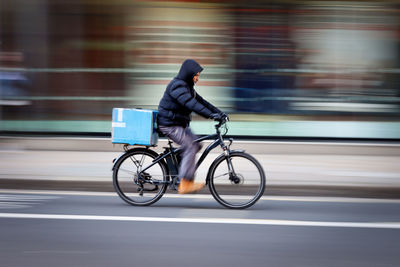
(188, 186)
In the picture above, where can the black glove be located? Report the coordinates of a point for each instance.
(219, 116)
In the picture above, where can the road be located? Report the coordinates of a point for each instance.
(59, 228)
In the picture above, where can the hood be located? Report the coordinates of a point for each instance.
(188, 69)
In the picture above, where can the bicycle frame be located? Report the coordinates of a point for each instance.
(218, 141)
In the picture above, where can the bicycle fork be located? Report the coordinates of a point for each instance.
(231, 171)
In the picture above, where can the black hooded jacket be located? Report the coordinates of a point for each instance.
(180, 98)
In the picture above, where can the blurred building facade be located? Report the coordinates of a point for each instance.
(76, 60)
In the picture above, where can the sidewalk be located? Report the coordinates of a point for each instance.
(292, 168)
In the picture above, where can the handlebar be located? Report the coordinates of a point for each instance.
(221, 123)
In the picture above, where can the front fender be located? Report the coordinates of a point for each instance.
(218, 159)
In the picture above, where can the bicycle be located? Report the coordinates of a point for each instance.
(235, 178)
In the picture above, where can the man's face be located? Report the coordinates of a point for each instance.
(196, 78)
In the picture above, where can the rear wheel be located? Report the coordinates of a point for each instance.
(134, 186)
(242, 186)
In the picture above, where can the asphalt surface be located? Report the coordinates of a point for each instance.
(99, 229)
(294, 224)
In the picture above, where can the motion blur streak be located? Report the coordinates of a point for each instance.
(65, 64)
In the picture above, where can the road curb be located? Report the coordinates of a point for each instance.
(273, 190)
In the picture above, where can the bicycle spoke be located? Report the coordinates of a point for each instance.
(221, 175)
(127, 171)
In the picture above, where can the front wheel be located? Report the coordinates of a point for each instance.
(238, 186)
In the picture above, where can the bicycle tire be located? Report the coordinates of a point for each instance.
(234, 193)
(126, 180)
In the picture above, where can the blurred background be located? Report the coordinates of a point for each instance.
(279, 68)
(289, 70)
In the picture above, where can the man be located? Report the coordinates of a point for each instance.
(174, 110)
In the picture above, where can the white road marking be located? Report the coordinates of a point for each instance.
(13, 205)
(294, 198)
(56, 192)
(382, 225)
(11, 201)
(208, 196)
(18, 197)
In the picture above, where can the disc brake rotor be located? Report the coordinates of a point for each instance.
(238, 179)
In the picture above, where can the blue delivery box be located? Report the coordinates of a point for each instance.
(134, 126)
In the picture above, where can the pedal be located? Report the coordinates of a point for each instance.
(175, 184)
(140, 189)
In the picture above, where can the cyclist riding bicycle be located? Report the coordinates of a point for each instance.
(179, 100)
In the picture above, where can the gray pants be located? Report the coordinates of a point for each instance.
(184, 137)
